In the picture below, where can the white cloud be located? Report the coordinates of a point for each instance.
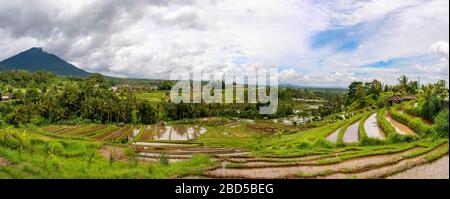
(149, 38)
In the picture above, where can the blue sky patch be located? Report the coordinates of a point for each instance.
(241, 60)
(402, 61)
(347, 39)
(382, 64)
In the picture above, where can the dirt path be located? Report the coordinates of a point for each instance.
(118, 152)
(372, 128)
(153, 151)
(351, 133)
(4, 162)
(385, 169)
(436, 170)
(399, 127)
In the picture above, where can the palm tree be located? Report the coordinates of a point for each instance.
(403, 83)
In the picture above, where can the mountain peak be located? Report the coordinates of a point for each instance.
(36, 59)
(35, 49)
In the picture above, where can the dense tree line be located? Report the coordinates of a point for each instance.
(43, 97)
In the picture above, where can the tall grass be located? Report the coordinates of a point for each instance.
(441, 125)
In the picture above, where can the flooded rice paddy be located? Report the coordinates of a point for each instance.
(351, 134)
(334, 136)
(172, 133)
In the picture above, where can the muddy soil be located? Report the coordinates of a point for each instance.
(389, 169)
(282, 172)
(118, 152)
(435, 170)
(399, 127)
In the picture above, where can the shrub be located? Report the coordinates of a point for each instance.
(399, 138)
(411, 109)
(38, 120)
(441, 125)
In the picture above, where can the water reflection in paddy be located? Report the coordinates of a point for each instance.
(176, 132)
(351, 134)
(334, 136)
(399, 127)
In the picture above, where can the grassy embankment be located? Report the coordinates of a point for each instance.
(34, 156)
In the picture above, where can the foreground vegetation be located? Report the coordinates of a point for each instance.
(36, 156)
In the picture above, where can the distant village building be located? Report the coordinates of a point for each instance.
(114, 88)
(119, 87)
(7, 97)
(396, 99)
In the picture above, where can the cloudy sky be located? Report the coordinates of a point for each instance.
(312, 42)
